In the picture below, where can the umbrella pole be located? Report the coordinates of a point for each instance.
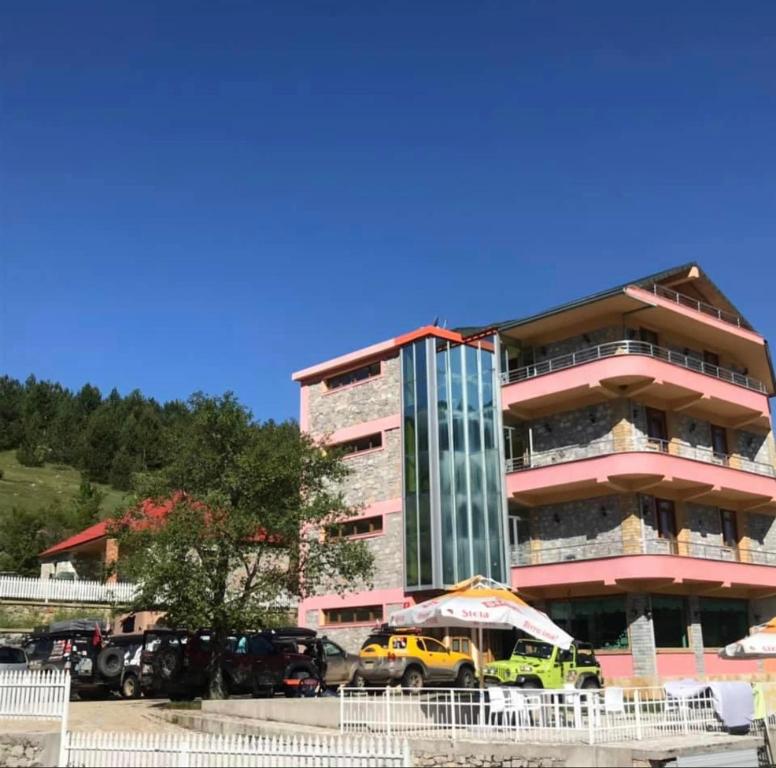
(479, 654)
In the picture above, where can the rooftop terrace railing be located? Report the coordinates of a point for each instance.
(645, 444)
(698, 306)
(630, 347)
(522, 555)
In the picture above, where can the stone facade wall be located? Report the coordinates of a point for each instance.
(569, 433)
(387, 551)
(575, 343)
(585, 529)
(754, 446)
(762, 535)
(20, 750)
(375, 398)
(375, 475)
(704, 530)
(642, 636)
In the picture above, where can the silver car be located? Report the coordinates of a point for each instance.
(12, 659)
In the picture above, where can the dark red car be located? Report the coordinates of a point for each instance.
(174, 663)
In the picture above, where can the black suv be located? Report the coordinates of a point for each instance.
(175, 662)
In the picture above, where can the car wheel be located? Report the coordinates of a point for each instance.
(130, 687)
(412, 679)
(531, 685)
(110, 662)
(590, 683)
(358, 681)
(465, 678)
(298, 674)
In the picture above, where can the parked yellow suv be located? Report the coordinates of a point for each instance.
(413, 660)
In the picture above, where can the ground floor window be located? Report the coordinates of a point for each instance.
(723, 621)
(359, 614)
(669, 619)
(601, 621)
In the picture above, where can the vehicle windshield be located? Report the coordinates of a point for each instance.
(11, 656)
(533, 648)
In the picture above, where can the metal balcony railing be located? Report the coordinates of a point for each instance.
(612, 445)
(630, 347)
(698, 306)
(593, 550)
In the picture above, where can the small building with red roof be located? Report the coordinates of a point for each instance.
(90, 553)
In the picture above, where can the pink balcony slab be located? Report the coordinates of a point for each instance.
(661, 573)
(656, 382)
(661, 474)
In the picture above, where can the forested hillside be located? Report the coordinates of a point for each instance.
(106, 438)
(67, 458)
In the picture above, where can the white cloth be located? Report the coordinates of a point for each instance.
(733, 701)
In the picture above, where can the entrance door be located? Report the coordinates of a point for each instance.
(657, 430)
(719, 443)
(710, 362)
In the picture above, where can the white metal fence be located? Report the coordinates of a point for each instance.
(512, 714)
(36, 696)
(60, 590)
(205, 750)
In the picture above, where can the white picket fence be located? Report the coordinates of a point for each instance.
(513, 715)
(61, 590)
(203, 750)
(38, 695)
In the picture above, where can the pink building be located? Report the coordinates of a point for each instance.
(612, 458)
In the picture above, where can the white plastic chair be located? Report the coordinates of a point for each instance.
(517, 709)
(614, 701)
(498, 703)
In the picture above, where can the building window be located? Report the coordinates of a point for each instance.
(666, 519)
(657, 430)
(362, 614)
(351, 377)
(361, 444)
(600, 621)
(360, 527)
(719, 441)
(650, 337)
(669, 619)
(461, 645)
(729, 528)
(723, 621)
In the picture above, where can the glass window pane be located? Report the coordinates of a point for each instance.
(669, 619)
(723, 621)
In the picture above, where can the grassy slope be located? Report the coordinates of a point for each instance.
(40, 486)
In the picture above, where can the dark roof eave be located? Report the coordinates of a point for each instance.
(600, 296)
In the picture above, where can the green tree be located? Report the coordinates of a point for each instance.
(245, 530)
(11, 402)
(84, 509)
(26, 533)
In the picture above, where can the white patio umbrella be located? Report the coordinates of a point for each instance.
(485, 604)
(761, 644)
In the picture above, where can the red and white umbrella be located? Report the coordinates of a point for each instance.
(485, 604)
(761, 644)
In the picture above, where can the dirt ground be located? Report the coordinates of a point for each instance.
(131, 715)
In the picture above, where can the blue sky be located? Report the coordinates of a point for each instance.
(208, 196)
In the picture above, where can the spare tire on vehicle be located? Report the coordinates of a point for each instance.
(167, 662)
(110, 662)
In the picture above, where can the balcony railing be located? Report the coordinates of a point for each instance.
(630, 347)
(613, 445)
(594, 550)
(698, 306)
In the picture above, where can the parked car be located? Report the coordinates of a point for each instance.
(175, 662)
(119, 664)
(389, 657)
(70, 645)
(536, 664)
(337, 666)
(12, 659)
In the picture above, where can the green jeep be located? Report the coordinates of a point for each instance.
(535, 664)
